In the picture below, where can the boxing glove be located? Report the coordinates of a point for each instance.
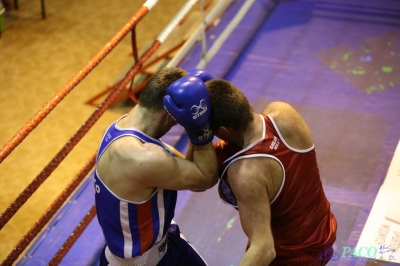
(201, 74)
(187, 100)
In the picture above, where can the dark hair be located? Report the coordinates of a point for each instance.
(229, 106)
(151, 97)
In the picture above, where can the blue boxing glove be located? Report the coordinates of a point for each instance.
(201, 74)
(187, 100)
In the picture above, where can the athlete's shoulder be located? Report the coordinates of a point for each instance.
(290, 124)
(245, 176)
(253, 166)
(279, 109)
(133, 149)
(131, 160)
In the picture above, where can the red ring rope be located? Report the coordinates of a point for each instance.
(52, 103)
(34, 185)
(50, 212)
(73, 237)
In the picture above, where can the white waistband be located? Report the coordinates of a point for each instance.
(150, 258)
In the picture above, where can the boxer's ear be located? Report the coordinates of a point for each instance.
(223, 133)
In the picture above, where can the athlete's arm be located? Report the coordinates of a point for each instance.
(189, 156)
(155, 167)
(249, 188)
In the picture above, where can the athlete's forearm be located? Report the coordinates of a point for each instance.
(189, 153)
(205, 159)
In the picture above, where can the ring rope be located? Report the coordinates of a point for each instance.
(52, 103)
(175, 20)
(50, 212)
(203, 35)
(73, 237)
(23, 197)
(134, 52)
(213, 14)
(33, 186)
(53, 164)
(224, 35)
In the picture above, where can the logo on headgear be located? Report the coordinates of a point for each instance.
(197, 111)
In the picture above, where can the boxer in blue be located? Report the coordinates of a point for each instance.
(137, 176)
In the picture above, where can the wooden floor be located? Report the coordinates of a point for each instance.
(37, 58)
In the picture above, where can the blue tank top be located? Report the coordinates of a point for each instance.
(131, 228)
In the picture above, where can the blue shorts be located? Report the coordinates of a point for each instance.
(179, 253)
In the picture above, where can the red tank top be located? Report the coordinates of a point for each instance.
(301, 219)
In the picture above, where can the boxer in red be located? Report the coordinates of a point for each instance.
(269, 172)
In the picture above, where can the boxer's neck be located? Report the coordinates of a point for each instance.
(253, 131)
